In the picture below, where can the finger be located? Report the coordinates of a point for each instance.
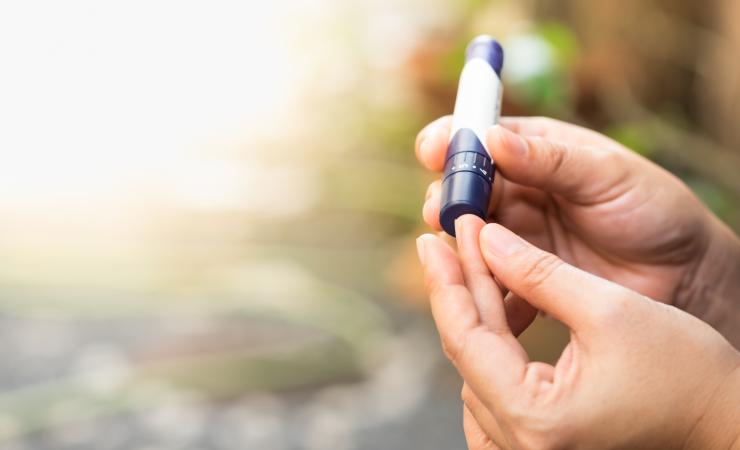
(475, 436)
(431, 153)
(497, 194)
(583, 174)
(523, 210)
(486, 294)
(483, 419)
(431, 143)
(556, 130)
(453, 308)
(430, 211)
(433, 186)
(519, 313)
(431, 126)
(494, 361)
(571, 295)
(525, 126)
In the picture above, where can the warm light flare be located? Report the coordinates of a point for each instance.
(100, 100)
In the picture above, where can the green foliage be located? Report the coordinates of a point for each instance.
(633, 137)
(562, 40)
(545, 84)
(717, 199)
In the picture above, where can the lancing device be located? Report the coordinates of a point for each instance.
(469, 169)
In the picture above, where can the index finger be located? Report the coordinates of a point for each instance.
(491, 361)
(431, 143)
(486, 293)
(548, 128)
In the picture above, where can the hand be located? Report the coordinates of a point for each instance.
(604, 209)
(636, 373)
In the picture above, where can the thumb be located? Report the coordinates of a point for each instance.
(580, 173)
(576, 298)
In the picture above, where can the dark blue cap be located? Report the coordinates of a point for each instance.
(468, 175)
(488, 49)
(463, 193)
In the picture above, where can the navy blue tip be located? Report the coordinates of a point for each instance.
(488, 49)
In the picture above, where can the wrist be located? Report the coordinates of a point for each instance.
(711, 291)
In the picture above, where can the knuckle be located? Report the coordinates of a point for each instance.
(439, 291)
(432, 286)
(539, 270)
(467, 396)
(449, 348)
(610, 186)
(615, 307)
(429, 191)
(557, 155)
(608, 157)
(539, 441)
(456, 348)
(451, 344)
(538, 432)
(543, 121)
(538, 425)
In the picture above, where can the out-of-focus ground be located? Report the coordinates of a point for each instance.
(207, 211)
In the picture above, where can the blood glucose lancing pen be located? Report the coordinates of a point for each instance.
(469, 169)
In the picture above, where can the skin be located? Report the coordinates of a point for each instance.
(589, 233)
(602, 208)
(618, 383)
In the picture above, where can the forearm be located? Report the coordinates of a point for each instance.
(713, 293)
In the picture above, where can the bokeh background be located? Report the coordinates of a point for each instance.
(207, 209)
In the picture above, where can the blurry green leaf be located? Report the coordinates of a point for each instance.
(633, 137)
(537, 70)
(713, 196)
(563, 41)
(549, 94)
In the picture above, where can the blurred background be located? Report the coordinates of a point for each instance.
(208, 209)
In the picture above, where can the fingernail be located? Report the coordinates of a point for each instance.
(458, 225)
(422, 139)
(420, 248)
(500, 241)
(430, 138)
(423, 147)
(426, 212)
(515, 143)
(518, 144)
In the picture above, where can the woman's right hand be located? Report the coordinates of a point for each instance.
(636, 373)
(605, 209)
